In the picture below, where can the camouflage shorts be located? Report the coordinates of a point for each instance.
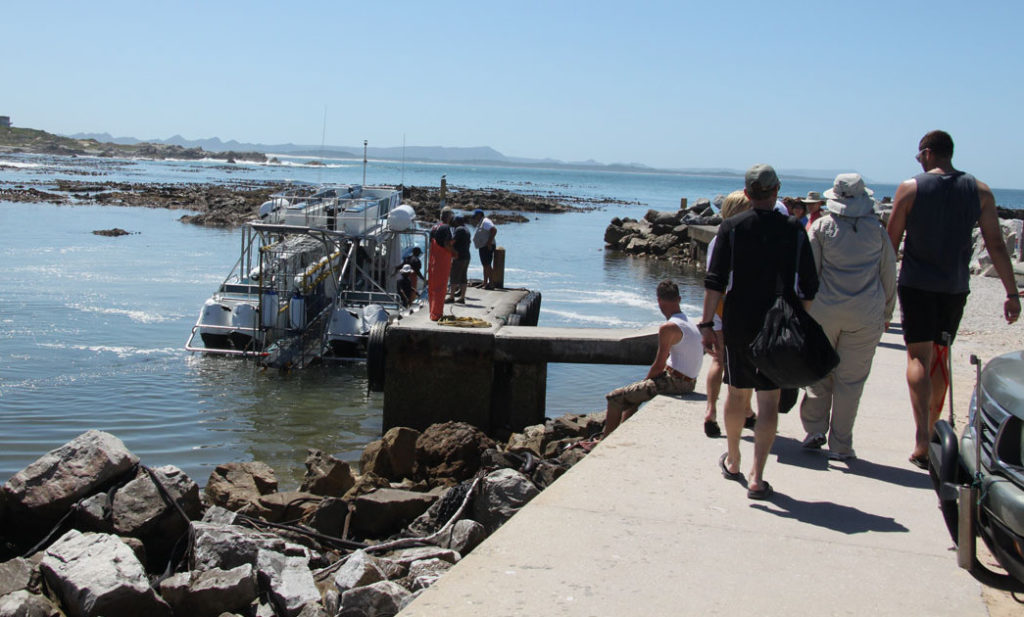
(646, 389)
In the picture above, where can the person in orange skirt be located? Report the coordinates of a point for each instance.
(440, 264)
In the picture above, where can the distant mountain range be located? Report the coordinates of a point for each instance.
(480, 155)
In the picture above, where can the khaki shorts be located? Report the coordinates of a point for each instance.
(646, 389)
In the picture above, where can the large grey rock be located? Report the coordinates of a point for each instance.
(387, 510)
(15, 574)
(210, 593)
(288, 506)
(382, 599)
(229, 546)
(326, 475)
(533, 438)
(238, 486)
(220, 516)
(501, 495)
(48, 487)
(329, 516)
(97, 574)
(359, 569)
(464, 536)
(24, 603)
(288, 581)
(138, 506)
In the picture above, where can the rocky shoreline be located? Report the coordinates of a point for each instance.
(89, 530)
(224, 205)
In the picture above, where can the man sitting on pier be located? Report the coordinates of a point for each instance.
(675, 367)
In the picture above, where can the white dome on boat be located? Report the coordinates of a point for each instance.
(401, 218)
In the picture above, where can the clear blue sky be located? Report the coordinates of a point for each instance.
(667, 84)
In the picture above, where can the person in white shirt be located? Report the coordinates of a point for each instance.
(483, 240)
(675, 366)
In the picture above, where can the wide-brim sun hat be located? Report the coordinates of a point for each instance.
(848, 191)
(406, 269)
(813, 197)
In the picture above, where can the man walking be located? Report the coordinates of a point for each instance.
(937, 210)
(483, 240)
(754, 253)
(675, 366)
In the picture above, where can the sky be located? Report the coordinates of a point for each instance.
(672, 85)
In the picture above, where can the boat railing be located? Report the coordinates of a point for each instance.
(190, 343)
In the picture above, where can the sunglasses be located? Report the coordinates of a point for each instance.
(920, 154)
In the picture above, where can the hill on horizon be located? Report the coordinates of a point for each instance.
(449, 154)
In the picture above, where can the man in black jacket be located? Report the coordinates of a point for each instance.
(753, 253)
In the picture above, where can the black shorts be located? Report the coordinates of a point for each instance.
(740, 372)
(486, 255)
(927, 314)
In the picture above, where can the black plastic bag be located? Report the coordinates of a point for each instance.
(791, 349)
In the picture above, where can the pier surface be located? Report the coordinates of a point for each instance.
(647, 525)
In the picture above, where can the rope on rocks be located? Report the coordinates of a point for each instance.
(463, 322)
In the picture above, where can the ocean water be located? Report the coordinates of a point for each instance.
(92, 328)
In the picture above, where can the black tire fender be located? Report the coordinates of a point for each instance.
(375, 350)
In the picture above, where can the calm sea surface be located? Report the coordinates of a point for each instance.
(92, 328)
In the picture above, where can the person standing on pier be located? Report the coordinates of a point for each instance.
(937, 210)
(440, 264)
(460, 244)
(483, 240)
(675, 367)
(752, 252)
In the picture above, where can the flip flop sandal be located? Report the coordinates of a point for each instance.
(919, 461)
(728, 475)
(765, 492)
(711, 429)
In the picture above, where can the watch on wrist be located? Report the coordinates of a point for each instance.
(706, 324)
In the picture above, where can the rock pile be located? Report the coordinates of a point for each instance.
(663, 235)
(88, 530)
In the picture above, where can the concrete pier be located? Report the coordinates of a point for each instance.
(647, 525)
(493, 377)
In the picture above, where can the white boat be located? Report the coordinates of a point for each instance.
(316, 271)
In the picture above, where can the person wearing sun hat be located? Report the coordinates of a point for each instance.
(813, 202)
(856, 268)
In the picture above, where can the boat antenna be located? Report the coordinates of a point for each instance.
(364, 162)
(323, 142)
(403, 159)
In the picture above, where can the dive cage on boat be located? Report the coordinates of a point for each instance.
(315, 272)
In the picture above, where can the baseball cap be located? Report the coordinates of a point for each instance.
(761, 177)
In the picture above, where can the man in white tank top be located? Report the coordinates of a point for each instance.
(675, 368)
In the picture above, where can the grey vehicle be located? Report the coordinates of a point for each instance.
(980, 477)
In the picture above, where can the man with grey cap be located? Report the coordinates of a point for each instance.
(755, 253)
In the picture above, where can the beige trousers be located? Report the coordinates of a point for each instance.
(830, 406)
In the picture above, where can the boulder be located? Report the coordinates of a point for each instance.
(226, 547)
(16, 574)
(464, 536)
(387, 510)
(615, 233)
(501, 495)
(288, 506)
(359, 569)
(381, 599)
(366, 483)
(326, 475)
(546, 473)
(288, 581)
(238, 486)
(451, 450)
(139, 506)
(97, 574)
(210, 593)
(660, 245)
(637, 245)
(533, 438)
(93, 514)
(374, 460)
(219, 515)
(43, 491)
(400, 445)
(329, 516)
(24, 603)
